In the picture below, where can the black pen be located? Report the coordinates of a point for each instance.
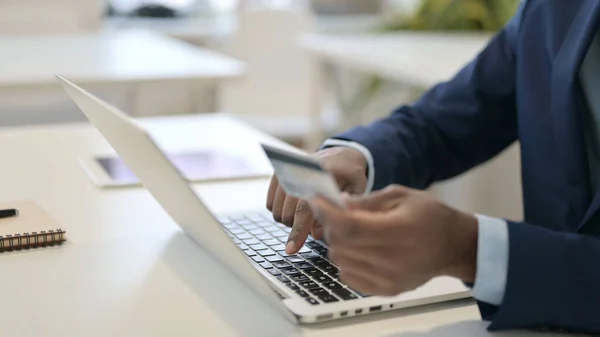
(7, 213)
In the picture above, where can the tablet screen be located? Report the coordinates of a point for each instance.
(193, 166)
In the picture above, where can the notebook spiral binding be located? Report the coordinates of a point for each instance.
(32, 240)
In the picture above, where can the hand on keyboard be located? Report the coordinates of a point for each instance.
(347, 165)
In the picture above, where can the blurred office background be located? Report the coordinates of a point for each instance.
(310, 67)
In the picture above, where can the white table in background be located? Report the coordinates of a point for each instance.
(128, 56)
(140, 65)
(419, 60)
(128, 270)
(212, 30)
(415, 58)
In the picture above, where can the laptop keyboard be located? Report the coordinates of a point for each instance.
(309, 273)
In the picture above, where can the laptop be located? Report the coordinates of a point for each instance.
(304, 288)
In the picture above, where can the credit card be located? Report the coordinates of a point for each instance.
(302, 176)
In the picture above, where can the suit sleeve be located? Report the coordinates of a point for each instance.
(552, 282)
(454, 126)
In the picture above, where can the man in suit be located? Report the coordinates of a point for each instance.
(538, 81)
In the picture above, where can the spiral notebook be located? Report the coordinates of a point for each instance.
(31, 228)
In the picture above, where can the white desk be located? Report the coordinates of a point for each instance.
(198, 30)
(144, 73)
(418, 59)
(128, 270)
(128, 56)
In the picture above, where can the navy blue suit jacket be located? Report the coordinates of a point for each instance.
(523, 86)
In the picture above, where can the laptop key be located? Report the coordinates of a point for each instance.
(310, 255)
(313, 244)
(302, 293)
(264, 237)
(237, 231)
(309, 285)
(229, 225)
(258, 259)
(330, 269)
(318, 261)
(250, 252)
(248, 239)
(274, 258)
(258, 246)
(266, 265)
(344, 294)
(242, 246)
(257, 231)
(236, 241)
(304, 250)
(279, 234)
(278, 248)
(244, 236)
(319, 292)
(254, 218)
(271, 228)
(274, 272)
(292, 286)
(300, 278)
(332, 285)
(328, 299)
(322, 278)
(322, 251)
(312, 272)
(303, 265)
(312, 301)
(283, 279)
(281, 264)
(361, 294)
(265, 252)
(283, 239)
(294, 259)
(249, 227)
(271, 242)
(263, 223)
(290, 271)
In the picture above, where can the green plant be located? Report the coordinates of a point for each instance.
(478, 15)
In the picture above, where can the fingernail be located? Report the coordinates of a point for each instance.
(289, 248)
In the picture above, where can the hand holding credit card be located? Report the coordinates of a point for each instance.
(302, 176)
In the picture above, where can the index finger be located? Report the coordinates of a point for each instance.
(271, 193)
(303, 224)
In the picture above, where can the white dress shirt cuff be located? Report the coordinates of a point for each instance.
(362, 149)
(492, 260)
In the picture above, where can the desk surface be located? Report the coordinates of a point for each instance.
(128, 270)
(109, 57)
(419, 59)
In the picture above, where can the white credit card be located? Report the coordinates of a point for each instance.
(302, 176)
